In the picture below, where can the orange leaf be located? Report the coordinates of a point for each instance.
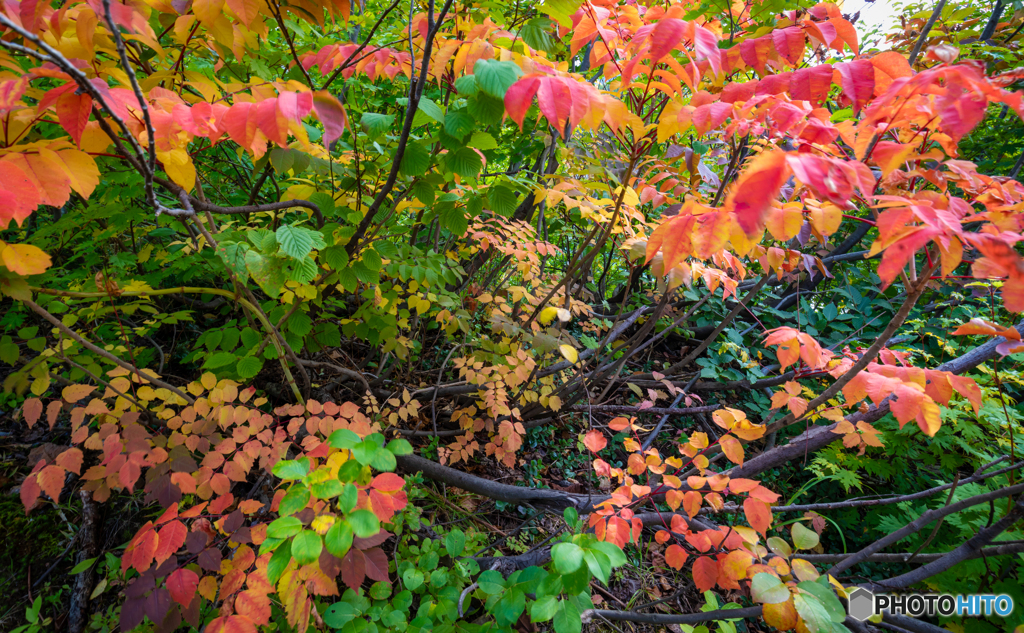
(705, 573)
(732, 449)
(676, 556)
(25, 259)
(595, 440)
(759, 516)
(32, 409)
(755, 189)
(51, 480)
(692, 502)
(171, 538)
(673, 498)
(782, 616)
(182, 584)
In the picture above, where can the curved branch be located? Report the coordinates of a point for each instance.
(671, 618)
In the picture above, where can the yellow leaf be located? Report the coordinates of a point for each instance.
(179, 167)
(547, 315)
(25, 259)
(569, 353)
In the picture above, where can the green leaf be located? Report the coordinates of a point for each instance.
(339, 614)
(343, 438)
(567, 618)
(415, 160)
(424, 191)
(82, 566)
(544, 609)
(375, 124)
(466, 85)
(384, 461)
(431, 109)
(323, 336)
(804, 538)
(767, 589)
(249, 366)
(280, 560)
(503, 200)
(453, 219)
(577, 581)
(486, 109)
(509, 607)
(380, 590)
(482, 140)
(567, 557)
(349, 498)
(465, 162)
(537, 34)
(371, 259)
(561, 10)
(299, 323)
(335, 257)
(491, 582)
(459, 123)
(268, 272)
(220, 359)
(233, 256)
(400, 447)
(327, 489)
(495, 77)
(615, 555)
(598, 563)
(284, 527)
(295, 242)
(294, 500)
(306, 547)
(413, 578)
(339, 538)
(364, 523)
(826, 596)
(365, 451)
(9, 352)
(288, 469)
(813, 613)
(455, 543)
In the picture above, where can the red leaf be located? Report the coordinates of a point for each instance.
(675, 556)
(387, 482)
(555, 101)
(705, 573)
(889, 66)
(331, 113)
(231, 624)
(595, 441)
(665, 37)
(376, 564)
(73, 112)
(353, 568)
(706, 44)
(756, 188)
(32, 409)
(811, 84)
(789, 42)
(759, 516)
(858, 81)
(755, 52)
(51, 480)
(254, 605)
(19, 197)
(71, 460)
(172, 537)
(182, 584)
(29, 492)
(520, 96)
